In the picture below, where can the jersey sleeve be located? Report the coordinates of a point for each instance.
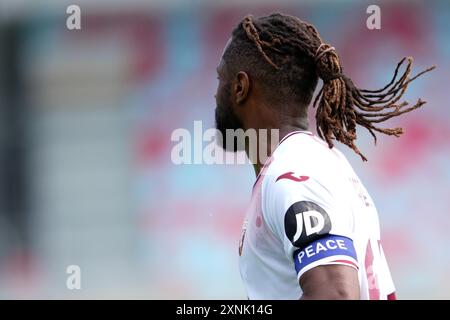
(313, 225)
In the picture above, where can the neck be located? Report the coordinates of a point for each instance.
(284, 130)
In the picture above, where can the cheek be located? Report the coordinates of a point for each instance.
(220, 86)
(216, 96)
(219, 93)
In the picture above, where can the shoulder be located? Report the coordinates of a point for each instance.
(304, 181)
(303, 163)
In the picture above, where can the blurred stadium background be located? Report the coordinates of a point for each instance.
(85, 124)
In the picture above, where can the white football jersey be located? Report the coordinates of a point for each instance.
(309, 208)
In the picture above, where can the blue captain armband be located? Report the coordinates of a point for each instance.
(330, 249)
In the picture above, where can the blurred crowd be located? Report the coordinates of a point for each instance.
(86, 118)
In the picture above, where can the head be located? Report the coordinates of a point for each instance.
(270, 69)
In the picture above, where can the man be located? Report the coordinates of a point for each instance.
(312, 230)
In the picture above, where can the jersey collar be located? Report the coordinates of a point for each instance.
(269, 160)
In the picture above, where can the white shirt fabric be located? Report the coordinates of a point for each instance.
(309, 208)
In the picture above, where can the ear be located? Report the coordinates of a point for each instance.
(241, 87)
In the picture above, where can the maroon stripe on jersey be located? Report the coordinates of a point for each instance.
(347, 262)
(392, 296)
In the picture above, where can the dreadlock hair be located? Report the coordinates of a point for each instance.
(289, 56)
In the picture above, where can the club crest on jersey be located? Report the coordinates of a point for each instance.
(305, 222)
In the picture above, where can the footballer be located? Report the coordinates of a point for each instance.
(312, 230)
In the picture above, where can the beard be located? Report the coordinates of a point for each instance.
(226, 119)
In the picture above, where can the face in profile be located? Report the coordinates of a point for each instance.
(224, 115)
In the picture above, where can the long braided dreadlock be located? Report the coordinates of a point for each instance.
(297, 56)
